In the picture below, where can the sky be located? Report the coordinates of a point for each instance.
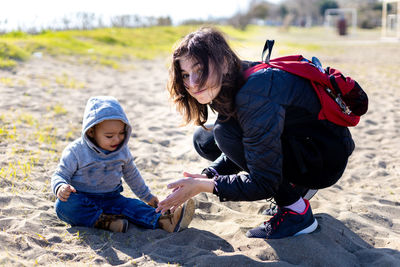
(25, 13)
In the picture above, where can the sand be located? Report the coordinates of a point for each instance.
(41, 107)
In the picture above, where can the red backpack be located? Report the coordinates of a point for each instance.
(342, 99)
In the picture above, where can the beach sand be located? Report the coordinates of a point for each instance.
(41, 106)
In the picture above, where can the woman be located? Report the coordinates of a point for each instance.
(265, 140)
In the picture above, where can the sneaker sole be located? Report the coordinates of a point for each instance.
(187, 215)
(309, 229)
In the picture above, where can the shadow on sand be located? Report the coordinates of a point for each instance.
(191, 247)
(332, 244)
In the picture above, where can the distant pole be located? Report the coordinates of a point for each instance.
(385, 3)
(354, 18)
(384, 15)
(398, 20)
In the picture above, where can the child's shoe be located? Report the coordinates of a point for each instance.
(113, 223)
(286, 223)
(180, 219)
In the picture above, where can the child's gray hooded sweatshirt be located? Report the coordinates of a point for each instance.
(87, 168)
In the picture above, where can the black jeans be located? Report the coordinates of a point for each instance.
(313, 156)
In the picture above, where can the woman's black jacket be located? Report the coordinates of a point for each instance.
(267, 101)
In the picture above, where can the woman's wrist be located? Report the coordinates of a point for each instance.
(210, 172)
(206, 185)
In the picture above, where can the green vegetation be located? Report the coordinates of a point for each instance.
(106, 46)
(69, 82)
(10, 53)
(112, 47)
(19, 128)
(58, 109)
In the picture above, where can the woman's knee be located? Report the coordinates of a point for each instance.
(204, 143)
(228, 133)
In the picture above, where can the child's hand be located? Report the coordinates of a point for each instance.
(153, 202)
(64, 191)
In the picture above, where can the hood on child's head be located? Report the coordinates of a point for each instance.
(101, 108)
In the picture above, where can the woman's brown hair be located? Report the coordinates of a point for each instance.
(206, 45)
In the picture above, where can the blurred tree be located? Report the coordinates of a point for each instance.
(304, 12)
(283, 11)
(66, 22)
(193, 22)
(239, 20)
(122, 21)
(164, 21)
(86, 20)
(258, 9)
(327, 4)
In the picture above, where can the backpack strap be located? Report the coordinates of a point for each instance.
(267, 47)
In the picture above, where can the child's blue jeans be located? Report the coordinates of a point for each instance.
(84, 209)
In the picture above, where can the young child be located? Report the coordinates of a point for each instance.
(88, 182)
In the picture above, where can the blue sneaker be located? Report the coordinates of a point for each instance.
(286, 223)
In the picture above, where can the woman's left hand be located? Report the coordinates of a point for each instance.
(183, 190)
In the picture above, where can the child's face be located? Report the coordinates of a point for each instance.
(108, 134)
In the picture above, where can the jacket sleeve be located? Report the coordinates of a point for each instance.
(135, 180)
(222, 165)
(262, 123)
(65, 170)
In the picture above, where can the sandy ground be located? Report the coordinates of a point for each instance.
(41, 106)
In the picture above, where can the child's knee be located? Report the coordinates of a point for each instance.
(74, 211)
(62, 211)
(71, 203)
(66, 210)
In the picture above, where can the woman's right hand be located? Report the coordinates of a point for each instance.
(191, 175)
(64, 191)
(183, 190)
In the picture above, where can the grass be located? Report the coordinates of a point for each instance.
(107, 46)
(58, 109)
(113, 46)
(19, 128)
(70, 82)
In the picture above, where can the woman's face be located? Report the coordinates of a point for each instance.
(191, 73)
